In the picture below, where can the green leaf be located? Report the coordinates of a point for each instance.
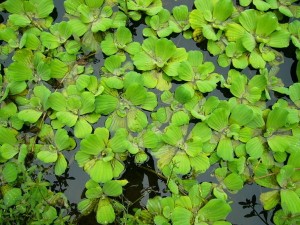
(269, 199)
(256, 60)
(223, 10)
(78, 27)
(57, 101)
(218, 120)
(87, 103)
(185, 71)
(143, 61)
(240, 62)
(279, 39)
(49, 40)
(234, 32)
(255, 148)
(136, 120)
(248, 42)
(261, 5)
(108, 45)
(266, 24)
(105, 212)
(200, 163)
(233, 182)
(94, 143)
(7, 151)
(181, 216)
(209, 33)
(7, 136)
(290, 201)
(12, 196)
(93, 192)
(101, 172)
(248, 19)
(150, 102)
(280, 143)
(19, 20)
(214, 210)
(123, 36)
(223, 60)
(180, 118)
(105, 104)
(294, 90)
(10, 172)
(119, 142)
(102, 24)
(18, 71)
(62, 139)
(47, 156)
(43, 7)
(181, 13)
(60, 165)
(172, 135)
(181, 163)
(82, 128)
(86, 206)
(225, 149)
(276, 119)
(184, 93)
(72, 46)
(112, 188)
(58, 69)
(14, 6)
(67, 118)
(136, 93)
(164, 50)
(94, 3)
(241, 115)
(29, 115)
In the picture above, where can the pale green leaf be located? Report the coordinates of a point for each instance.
(112, 188)
(60, 165)
(29, 115)
(47, 156)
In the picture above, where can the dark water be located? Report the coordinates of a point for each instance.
(143, 183)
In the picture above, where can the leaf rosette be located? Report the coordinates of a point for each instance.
(199, 73)
(101, 156)
(73, 109)
(98, 200)
(50, 151)
(183, 152)
(88, 18)
(160, 54)
(255, 31)
(210, 18)
(127, 109)
(136, 8)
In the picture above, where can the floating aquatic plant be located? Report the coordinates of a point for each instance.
(255, 29)
(98, 200)
(134, 9)
(286, 7)
(147, 100)
(209, 18)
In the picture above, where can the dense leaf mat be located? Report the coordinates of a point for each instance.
(154, 99)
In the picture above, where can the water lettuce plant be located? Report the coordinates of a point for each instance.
(112, 85)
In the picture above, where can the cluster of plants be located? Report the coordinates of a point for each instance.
(156, 100)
